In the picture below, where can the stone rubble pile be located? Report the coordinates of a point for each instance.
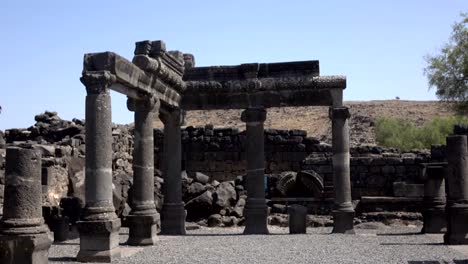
(209, 200)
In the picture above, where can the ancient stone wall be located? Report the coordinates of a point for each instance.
(219, 153)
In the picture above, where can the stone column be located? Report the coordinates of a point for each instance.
(99, 225)
(343, 212)
(255, 211)
(457, 190)
(434, 199)
(143, 217)
(23, 236)
(173, 209)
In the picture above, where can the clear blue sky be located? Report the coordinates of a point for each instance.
(378, 45)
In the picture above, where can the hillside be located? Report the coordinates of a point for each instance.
(317, 124)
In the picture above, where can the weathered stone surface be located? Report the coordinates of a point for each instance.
(343, 213)
(200, 206)
(23, 236)
(457, 190)
(297, 219)
(225, 195)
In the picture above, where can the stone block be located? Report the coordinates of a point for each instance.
(25, 249)
(99, 240)
(297, 219)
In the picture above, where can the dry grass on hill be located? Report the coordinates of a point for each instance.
(316, 122)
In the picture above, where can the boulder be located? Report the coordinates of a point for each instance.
(201, 178)
(200, 206)
(225, 195)
(214, 220)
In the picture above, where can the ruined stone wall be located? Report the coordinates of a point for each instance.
(219, 153)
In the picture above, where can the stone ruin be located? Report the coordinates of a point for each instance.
(166, 84)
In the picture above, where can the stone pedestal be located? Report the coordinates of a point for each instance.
(24, 238)
(457, 190)
(173, 210)
(434, 199)
(297, 219)
(99, 225)
(143, 216)
(343, 212)
(255, 210)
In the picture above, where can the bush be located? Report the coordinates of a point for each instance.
(402, 134)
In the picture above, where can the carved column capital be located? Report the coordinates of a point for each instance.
(254, 115)
(173, 117)
(97, 82)
(341, 112)
(150, 104)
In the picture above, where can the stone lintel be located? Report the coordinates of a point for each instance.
(242, 100)
(253, 70)
(128, 78)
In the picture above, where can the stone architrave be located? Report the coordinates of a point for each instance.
(343, 212)
(457, 190)
(24, 238)
(99, 225)
(173, 210)
(255, 210)
(434, 198)
(142, 220)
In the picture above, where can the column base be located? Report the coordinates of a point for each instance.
(99, 240)
(173, 219)
(27, 249)
(434, 221)
(256, 217)
(457, 229)
(343, 222)
(142, 230)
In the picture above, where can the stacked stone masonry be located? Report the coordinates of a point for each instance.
(220, 154)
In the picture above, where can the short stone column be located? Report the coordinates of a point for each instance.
(434, 198)
(99, 225)
(457, 190)
(255, 210)
(173, 209)
(343, 212)
(143, 217)
(24, 238)
(297, 219)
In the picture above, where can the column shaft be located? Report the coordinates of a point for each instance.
(143, 217)
(173, 209)
(343, 213)
(99, 225)
(255, 211)
(457, 190)
(434, 199)
(23, 236)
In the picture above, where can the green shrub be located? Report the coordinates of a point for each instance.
(402, 134)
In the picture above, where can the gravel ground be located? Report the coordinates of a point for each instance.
(373, 243)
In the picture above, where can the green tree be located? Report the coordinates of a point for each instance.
(448, 70)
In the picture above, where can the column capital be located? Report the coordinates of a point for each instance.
(150, 104)
(253, 115)
(97, 82)
(340, 112)
(172, 117)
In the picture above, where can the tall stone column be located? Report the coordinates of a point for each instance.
(173, 209)
(343, 212)
(23, 236)
(143, 217)
(255, 210)
(457, 190)
(99, 225)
